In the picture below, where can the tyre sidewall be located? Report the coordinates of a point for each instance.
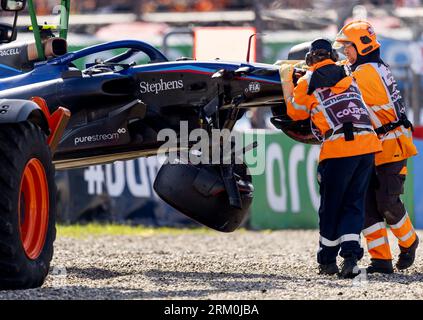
(31, 273)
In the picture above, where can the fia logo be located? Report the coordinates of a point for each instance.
(254, 87)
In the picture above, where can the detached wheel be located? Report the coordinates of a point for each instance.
(27, 206)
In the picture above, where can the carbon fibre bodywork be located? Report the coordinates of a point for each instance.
(118, 109)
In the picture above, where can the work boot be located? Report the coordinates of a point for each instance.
(349, 268)
(407, 255)
(328, 269)
(380, 266)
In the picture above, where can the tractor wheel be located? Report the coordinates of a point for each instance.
(27, 206)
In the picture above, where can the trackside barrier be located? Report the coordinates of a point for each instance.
(418, 184)
(286, 193)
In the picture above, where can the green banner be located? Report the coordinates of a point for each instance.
(287, 192)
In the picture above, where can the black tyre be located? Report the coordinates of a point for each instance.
(27, 206)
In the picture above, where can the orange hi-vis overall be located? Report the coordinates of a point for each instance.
(329, 108)
(346, 155)
(381, 95)
(384, 101)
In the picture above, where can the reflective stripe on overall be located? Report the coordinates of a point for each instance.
(394, 107)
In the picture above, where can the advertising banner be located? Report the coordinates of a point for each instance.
(287, 194)
(118, 192)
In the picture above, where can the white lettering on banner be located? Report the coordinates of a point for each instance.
(254, 159)
(297, 155)
(94, 175)
(115, 186)
(141, 189)
(115, 177)
(153, 167)
(274, 156)
(274, 161)
(312, 159)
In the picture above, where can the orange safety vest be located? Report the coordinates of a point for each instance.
(381, 95)
(329, 109)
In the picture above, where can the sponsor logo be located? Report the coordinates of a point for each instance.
(392, 87)
(9, 52)
(146, 87)
(100, 137)
(254, 87)
(327, 94)
(352, 110)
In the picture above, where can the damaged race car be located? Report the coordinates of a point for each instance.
(54, 115)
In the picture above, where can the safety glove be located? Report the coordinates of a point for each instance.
(286, 72)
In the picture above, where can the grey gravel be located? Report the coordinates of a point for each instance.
(240, 265)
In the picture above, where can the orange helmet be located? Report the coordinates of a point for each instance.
(359, 32)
